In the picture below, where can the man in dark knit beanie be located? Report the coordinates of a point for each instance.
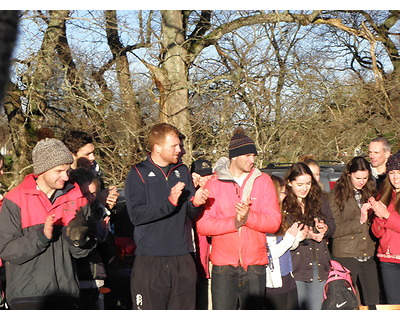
(42, 227)
(241, 209)
(241, 144)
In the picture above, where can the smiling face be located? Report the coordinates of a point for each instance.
(86, 152)
(301, 185)
(359, 178)
(394, 177)
(53, 179)
(242, 164)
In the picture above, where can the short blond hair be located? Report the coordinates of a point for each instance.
(158, 133)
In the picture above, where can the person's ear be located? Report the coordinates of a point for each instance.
(157, 148)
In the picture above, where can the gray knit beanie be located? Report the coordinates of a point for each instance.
(48, 154)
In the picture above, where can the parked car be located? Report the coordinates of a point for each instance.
(330, 171)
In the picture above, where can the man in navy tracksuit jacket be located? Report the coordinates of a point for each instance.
(160, 195)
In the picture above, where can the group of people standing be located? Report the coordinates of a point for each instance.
(356, 224)
(54, 228)
(365, 208)
(268, 240)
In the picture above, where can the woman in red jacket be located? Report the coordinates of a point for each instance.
(386, 227)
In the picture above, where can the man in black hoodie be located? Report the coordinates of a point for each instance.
(159, 195)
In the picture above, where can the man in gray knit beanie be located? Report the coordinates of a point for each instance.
(45, 222)
(48, 154)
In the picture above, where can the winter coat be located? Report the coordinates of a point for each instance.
(246, 245)
(351, 238)
(388, 233)
(159, 225)
(37, 268)
(310, 251)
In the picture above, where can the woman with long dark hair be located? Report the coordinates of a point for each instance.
(307, 204)
(281, 291)
(386, 227)
(352, 243)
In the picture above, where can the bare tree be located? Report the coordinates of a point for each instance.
(288, 76)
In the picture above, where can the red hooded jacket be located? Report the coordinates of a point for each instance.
(246, 245)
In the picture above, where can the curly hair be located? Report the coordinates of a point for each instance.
(312, 202)
(344, 189)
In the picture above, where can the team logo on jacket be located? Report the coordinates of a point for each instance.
(139, 301)
(177, 173)
(152, 174)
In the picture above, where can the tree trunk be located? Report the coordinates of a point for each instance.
(128, 97)
(173, 84)
(25, 118)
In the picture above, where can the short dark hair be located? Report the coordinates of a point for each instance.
(74, 140)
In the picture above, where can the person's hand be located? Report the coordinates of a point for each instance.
(176, 192)
(112, 197)
(321, 226)
(314, 236)
(364, 212)
(201, 196)
(296, 228)
(196, 179)
(302, 233)
(293, 229)
(242, 209)
(48, 226)
(380, 210)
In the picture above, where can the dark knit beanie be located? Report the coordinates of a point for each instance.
(241, 144)
(48, 154)
(393, 163)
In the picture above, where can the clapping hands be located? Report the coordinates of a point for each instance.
(298, 230)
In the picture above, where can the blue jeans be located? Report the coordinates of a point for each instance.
(235, 288)
(310, 294)
(391, 279)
